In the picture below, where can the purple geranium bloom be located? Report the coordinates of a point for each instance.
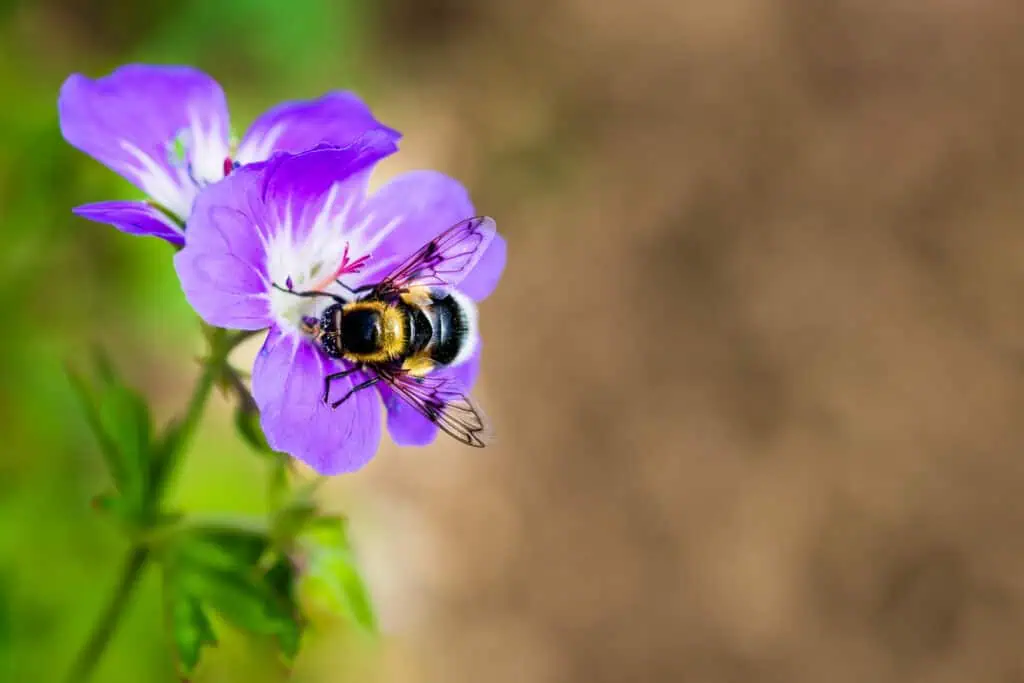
(298, 222)
(166, 129)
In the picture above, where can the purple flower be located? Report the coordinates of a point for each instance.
(166, 129)
(298, 222)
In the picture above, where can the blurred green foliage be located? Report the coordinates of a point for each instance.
(67, 285)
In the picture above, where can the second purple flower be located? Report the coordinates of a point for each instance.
(166, 129)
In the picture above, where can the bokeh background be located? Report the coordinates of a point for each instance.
(757, 361)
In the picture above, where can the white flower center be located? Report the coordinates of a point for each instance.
(196, 157)
(310, 263)
(336, 246)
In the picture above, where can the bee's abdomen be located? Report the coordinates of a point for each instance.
(451, 330)
(420, 331)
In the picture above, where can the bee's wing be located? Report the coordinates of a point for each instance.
(443, 401)
(444, 261)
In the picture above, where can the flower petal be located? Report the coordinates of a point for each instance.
(246, 226)
(337, 118)
(134, 218)
(406, 425)
(309, 176)
(287, 384)
(408, 212)
(223, 267)
(484, 277)
(131, 119)
(302, 189)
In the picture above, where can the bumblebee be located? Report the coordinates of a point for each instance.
(410, 324)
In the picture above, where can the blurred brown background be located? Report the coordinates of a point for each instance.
(756, 362)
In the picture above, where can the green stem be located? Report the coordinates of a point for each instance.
(313, 486)
(221, 344)
(220, 347)
(277, 482)
(90, 655)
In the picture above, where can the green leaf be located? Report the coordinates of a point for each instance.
(290, 521)
(164, 452)
(246, 599)
(90, 404)
(222, 546)
(126, 418)
(235, 571)
(329, 532)
(113, 504)
(191, 630)
(331, 580)
(121, 423)
(247, 422)
(282, 578)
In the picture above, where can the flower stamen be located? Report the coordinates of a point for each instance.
(345, 268)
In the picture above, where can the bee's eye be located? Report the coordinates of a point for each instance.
(329, 343)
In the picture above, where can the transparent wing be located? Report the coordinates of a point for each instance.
(443, 401)
(442, 262)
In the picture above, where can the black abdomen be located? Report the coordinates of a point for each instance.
(450, 330)
(439, 331)
(420, 332)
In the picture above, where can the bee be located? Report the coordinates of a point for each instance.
(410, 324)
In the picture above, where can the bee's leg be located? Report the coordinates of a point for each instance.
(310, 294)
(332, 377)
(368, 383)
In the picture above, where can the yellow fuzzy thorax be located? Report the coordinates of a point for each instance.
(392, 338)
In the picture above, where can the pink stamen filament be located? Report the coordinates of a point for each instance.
(346, 267)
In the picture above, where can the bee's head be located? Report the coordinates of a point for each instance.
(329, 331)
(350, 331)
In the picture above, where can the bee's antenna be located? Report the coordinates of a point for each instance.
(311, 294)
(358, 290)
